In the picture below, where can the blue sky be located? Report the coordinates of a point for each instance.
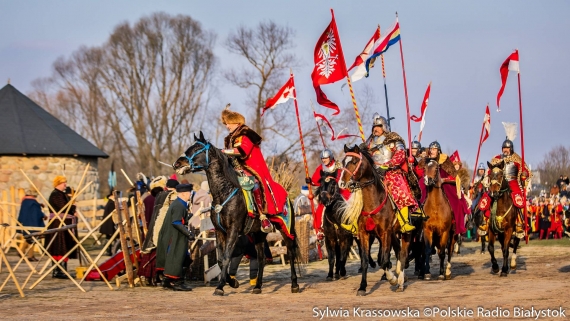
(457, 45)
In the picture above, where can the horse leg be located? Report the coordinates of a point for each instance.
(514, 256)
(364, 254)
(345, 240)
(337, 260)
(428, 238)
(449, 255)
(360, 252)
(483, 237)
(491, 248)
(230, 243)
(330, 246)
(292, 247)
(385, 268)
(402, 261)
(505, 247)
(259, 248)
(371, 238)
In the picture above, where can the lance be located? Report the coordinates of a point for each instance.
(385, 88)
(522, 148)
(478, 150)
(303, 151)
(406, 93)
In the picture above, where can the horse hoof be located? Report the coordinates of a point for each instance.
(448, 277)
(441, 278)
(219, 292)
(373, 264)
(336, 277)
(394, 281)
(384, 278)
(294, 289)
(427, 277)
(421, 277)
(400, 289)
(329, 278)
(361, 293)
(233, 283)
(503, 274)
(513, 267)
(256, 291)
(344, 277)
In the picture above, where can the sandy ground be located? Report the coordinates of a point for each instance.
(541, 281)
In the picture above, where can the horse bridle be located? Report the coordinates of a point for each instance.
(206, 147)
(352, 185)
(500, 183)
(436, 175)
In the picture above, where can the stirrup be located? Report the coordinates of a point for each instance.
(407, 228)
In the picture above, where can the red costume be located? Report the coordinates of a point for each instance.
(247, 142)
(396, 182)
(315, 181)
(513, 175)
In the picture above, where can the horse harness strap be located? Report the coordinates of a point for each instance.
(377, 209)
(191, 158)
(218, 208)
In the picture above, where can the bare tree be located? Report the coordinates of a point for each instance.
(267, 50)
(555, 163)
(140, 94)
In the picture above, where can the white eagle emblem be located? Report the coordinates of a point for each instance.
(326, 65)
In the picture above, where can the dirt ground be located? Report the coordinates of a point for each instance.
(541, 281)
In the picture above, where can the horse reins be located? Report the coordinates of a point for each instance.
(357, 185)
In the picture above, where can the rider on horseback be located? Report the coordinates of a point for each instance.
(389, 153)
(414, 160)
(449, 174)
(478, 186)
(243, 143)
(516, 176)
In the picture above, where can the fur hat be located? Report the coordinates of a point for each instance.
(232, 117)
(180, 188)
(171, 183)
(31, 192)
(58, 180)
(159, 181)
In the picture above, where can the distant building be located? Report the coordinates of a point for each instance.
(33, 140)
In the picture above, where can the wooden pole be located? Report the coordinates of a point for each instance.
(355, 108)
(11, 273)
(385, 88)
(122, 236)
(406, 93)
(129, 227)
(522, 151)
(141, 213)
(318, 127)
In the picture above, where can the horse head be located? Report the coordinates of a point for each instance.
(355, 166)
(431, 177)
(195, 158)
(497, 179)
(328, 190)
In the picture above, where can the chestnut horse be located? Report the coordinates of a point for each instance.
(369, 204)
(502, 220)
(440, 227)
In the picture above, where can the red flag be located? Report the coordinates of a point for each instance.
(454, 158)
(424, 105)
(328, 127)
(282, 96)
(511, 64)
(330, 66)
(486, 125)
(360, 61)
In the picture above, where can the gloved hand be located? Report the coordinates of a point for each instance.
(182, 229)
(384, 167)
(308, 181)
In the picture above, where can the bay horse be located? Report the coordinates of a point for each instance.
(337, 240)
(369, 205)
(439, 228)
(229, 211)
(502, 220)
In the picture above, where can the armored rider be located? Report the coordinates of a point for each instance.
(389, 153)
(243, 144)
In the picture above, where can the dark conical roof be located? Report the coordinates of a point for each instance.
(26, 128)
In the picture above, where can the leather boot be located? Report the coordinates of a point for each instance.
(57, 273)
(403, 218)
(175, 285)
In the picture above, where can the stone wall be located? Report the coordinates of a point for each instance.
(42, 170)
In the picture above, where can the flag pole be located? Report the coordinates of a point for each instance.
(406, 93)
(355, 107)
(385, 89)
(522, 149)
(302, 144)
(478, 150)
(318, 127)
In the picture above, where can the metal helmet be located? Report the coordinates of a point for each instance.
(416, 145)
(481, 166)
(508, 144)
(327, 153)
(380, 121)
(435, 144)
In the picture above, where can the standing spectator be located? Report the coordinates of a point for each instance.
(30, 215)
(202, 197)
(63, 241)
(108, 228)
(302, 204)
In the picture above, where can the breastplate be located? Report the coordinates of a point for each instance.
(511, 171)
(383, 153)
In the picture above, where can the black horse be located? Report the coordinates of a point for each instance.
(229, 212)
(337, 240)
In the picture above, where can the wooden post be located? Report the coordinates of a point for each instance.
(129, 229)
(141, 214)
(126, 257)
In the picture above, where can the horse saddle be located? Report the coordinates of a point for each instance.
(247, 183)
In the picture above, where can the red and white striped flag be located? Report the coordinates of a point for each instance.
(486, 125)
(325, 124)
(511, 64)
(423, 110)
(282, 96)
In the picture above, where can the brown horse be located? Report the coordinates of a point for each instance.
(440, 227)
(369, 205)
(503, 219)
